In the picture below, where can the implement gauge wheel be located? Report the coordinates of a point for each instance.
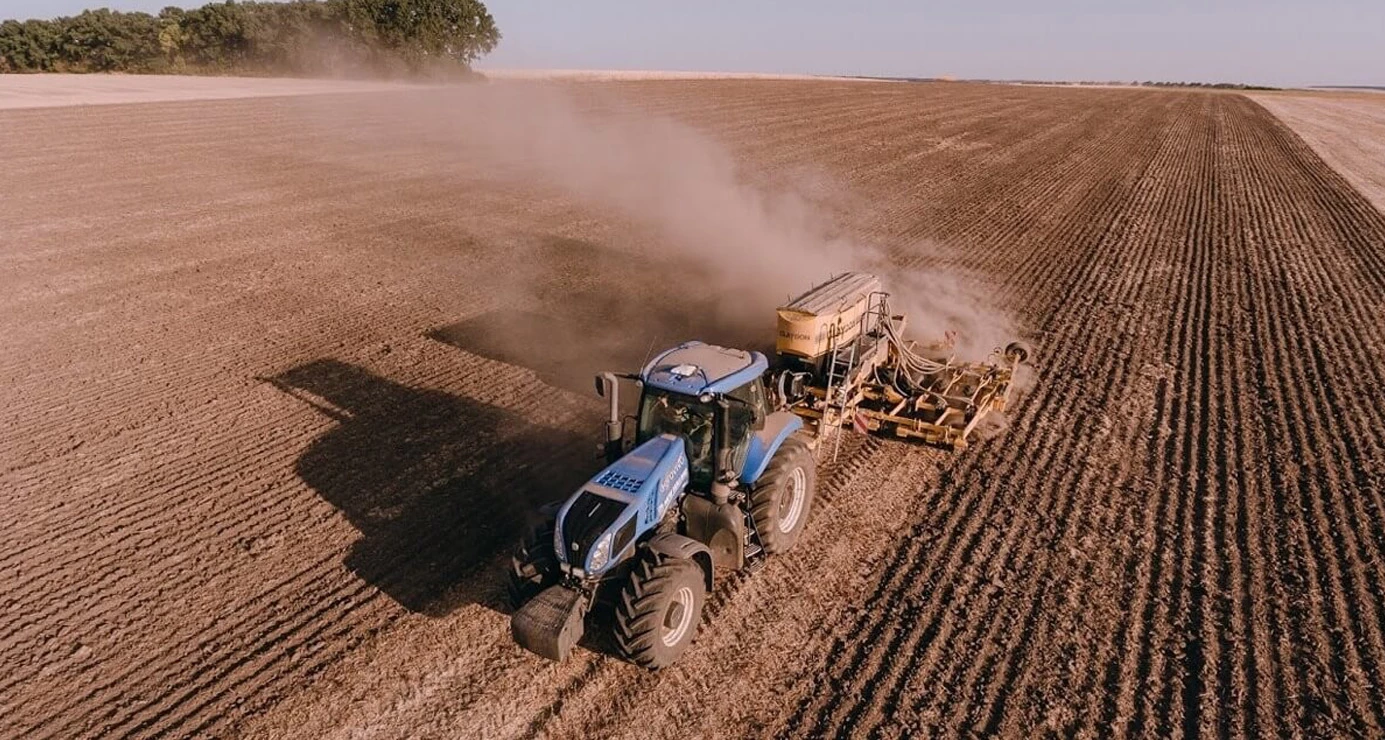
(1019, 351)
(659, 610)
(782, 498)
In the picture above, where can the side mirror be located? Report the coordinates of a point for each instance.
(606, 388)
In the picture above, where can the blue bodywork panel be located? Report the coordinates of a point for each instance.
(765, 442)
(703, 368)
(632, 495)
(647, 481)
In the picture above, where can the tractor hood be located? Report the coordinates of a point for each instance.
(596, 526)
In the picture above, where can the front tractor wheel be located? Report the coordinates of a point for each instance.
(659, 610)
(782, 498)
(534, 565)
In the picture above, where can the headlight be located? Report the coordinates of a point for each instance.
(558, 544)
(601, 554)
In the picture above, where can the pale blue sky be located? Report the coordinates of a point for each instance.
(1266, 41)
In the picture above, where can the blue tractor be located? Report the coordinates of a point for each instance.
(716, 478)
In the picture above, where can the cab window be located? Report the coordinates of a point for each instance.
(662, 412)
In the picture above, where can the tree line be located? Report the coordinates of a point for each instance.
(307, 37)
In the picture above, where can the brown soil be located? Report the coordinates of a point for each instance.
(263, 453)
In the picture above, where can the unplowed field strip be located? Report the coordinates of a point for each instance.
(1346, 129)
(252, 488)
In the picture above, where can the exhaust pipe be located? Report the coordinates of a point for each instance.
(615, 431)
(721, 458)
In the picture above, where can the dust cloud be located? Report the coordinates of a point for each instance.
(663, 174)
(946, 303)
(753, 242)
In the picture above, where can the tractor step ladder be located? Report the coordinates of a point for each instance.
(754, 551)
(842, 365)
(754, 557)
(841, 362)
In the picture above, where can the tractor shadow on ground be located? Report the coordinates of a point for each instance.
(437, 485)
(595, 309)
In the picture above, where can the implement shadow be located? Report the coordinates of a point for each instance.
(437, 484)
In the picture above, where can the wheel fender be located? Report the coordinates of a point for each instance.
(550, 510)
(764, 443)
(672, 545)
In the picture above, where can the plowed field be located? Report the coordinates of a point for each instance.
(274, 408)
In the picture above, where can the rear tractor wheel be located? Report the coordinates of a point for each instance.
(782, 498)
(659, 610)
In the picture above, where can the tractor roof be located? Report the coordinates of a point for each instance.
(695, 368)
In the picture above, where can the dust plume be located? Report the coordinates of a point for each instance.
(943, 302)
(754, 242)
(663, 174)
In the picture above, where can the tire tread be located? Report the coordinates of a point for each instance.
(638, 608)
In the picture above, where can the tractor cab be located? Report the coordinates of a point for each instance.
(701, 393)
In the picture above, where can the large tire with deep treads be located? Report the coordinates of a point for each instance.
(659, 609)
(782, 499)
(534, 565)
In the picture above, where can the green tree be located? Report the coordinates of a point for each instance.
(171, 36)
(217, 36)
(462, 30)
(302, 36)
(103, 41)
(30, 46)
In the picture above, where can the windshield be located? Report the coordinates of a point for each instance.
(662, 412)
